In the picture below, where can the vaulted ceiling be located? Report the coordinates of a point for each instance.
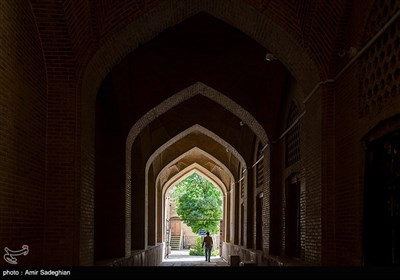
(202, 49)
(193, 46)
(207, 50)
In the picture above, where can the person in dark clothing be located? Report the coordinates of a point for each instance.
(207, 245)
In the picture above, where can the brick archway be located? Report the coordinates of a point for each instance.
(194, 128)
(236, 13)
(186, 172)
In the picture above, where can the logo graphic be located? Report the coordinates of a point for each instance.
(9, 256)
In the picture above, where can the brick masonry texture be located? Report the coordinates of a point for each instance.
(55, 56)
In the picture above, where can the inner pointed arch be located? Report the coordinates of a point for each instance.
(197, 128)
(189, 170)
(187, 93)
(199, 167)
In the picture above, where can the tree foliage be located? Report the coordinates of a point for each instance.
(198, 203)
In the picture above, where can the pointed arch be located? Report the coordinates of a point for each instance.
(184, 173)
(116, 47)
(189, 170)
(179, 136)
(187, 93)
(212, 177)
(194, 128)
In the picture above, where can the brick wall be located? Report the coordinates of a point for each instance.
(91, 37)
(328, 178)
(162, 16)
(23, 110)
(109, 193)
(295, 94)
(150, 257)
(312, 158)
(61, 231)
(266, 202)
(345, 215)
(315, 25)
(366, 96)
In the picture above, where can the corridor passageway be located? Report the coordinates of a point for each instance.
(289, 108)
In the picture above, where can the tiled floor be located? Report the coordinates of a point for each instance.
(182, 258)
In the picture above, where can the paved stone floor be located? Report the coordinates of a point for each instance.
(182, 258)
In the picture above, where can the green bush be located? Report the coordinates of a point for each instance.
(198, 251)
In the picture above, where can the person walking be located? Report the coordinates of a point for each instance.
(207, 245)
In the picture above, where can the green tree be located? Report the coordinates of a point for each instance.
(198, 203)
